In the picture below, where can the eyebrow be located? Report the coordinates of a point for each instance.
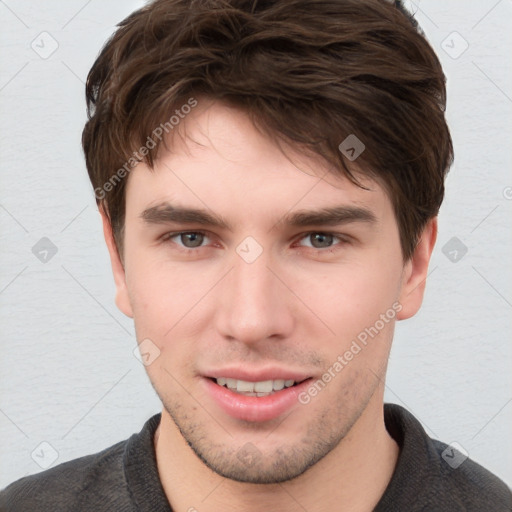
(167, 213)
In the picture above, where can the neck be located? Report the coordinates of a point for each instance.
(352, 477)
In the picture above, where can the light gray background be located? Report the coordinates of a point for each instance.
(68, 374)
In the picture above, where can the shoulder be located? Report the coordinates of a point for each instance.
(88, 479)
(466, 483)
(432, 475)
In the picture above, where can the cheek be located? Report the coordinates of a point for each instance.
(351, 298)
(166, 300)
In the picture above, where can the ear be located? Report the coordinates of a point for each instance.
(122, 298)
(415, 272)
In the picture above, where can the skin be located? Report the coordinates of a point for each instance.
(297, 306)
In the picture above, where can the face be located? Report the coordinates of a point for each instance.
(267, 287)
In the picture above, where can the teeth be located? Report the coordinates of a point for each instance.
(279, 384)
(230, 383)
(261, 388)
(243, 385)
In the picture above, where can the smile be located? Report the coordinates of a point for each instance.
(254, 401)
(259, 389)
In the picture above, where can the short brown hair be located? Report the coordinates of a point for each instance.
(308, 72)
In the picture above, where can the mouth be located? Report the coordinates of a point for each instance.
(255, 400)
(259, 389)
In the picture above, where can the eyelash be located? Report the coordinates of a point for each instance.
(342, 240)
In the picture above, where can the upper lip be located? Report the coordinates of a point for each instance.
(254, 375)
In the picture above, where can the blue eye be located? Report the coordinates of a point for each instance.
(197, 239)
(320, 240)
(188, 239)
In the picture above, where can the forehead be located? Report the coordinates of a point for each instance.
(217, 159)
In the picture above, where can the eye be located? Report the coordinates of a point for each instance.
(319, 240)
(187, 239)
(196, 239)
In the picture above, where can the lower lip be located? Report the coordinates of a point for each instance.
(251, 408)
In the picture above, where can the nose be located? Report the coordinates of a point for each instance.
(254, 304)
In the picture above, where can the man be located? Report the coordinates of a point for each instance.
(269, 175)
